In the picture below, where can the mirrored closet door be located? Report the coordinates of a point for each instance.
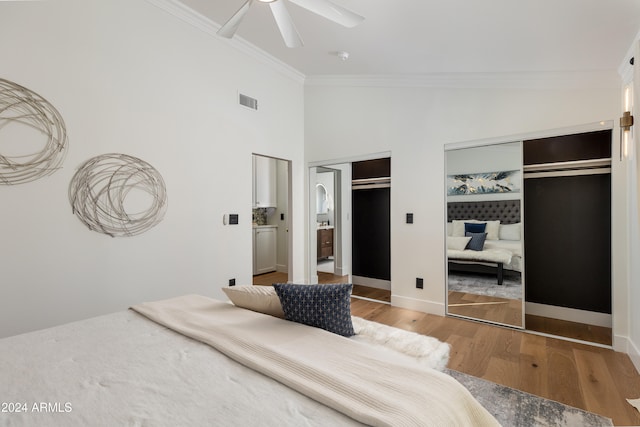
(485, 256)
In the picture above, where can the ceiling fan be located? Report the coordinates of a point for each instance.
(324, 8)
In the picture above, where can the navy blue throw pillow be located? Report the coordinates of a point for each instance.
(323, 306)
(477, 241)
(475, 227)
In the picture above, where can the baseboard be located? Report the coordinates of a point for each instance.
(415, 304)
(371, 282)
(340, 271)
(569, 314)
(281, 268)
(634, 354)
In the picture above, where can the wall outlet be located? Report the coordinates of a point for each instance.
(232, 282)
(419, 283)
(409, 218)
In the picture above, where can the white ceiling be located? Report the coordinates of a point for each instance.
(417, 37)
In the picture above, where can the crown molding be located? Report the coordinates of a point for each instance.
(201, 22)
(600, 79)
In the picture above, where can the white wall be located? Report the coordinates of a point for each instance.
(634, 216)
(130, 78)
(350, 118)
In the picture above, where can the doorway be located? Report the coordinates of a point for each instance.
(342, 220)
(271, 238)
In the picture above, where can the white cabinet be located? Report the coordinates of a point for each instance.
(264, 249)
(264, 182)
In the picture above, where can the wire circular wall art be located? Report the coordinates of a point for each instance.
(25, 118)
(118, 195)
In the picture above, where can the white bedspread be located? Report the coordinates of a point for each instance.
(487, 255)
(122, 369)
(372, 387)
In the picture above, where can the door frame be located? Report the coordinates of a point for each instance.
(343, 233)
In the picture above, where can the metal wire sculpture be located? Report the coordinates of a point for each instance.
(19, 105)
(102, 184)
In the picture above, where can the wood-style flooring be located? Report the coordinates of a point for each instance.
(591, 378)
(489, 308)
(564, 328)
(587, 377)
(277, 277)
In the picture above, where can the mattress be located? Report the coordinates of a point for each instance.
(507, 252)
(124, 369)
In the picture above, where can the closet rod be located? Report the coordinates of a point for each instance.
(572, 172)
(575, 164)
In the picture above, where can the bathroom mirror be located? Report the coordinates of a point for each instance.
(484, 242)
(321, 199)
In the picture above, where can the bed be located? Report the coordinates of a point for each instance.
(502, 248)
(194, 361)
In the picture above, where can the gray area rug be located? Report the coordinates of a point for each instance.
(515, 408)
(480, 284)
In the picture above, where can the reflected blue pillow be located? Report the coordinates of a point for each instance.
(322, 306)
(477, 241)
(475, 227)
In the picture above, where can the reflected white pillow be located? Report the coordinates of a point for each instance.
(457, 243)
(492, 230)
(262, 299)
(510, 231)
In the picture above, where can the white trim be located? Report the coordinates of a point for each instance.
(421, 305)
(634, 354)
(361, 158)
(569, 314)
(201, 22)
(608, 79)
(371, 282)
(589, 127)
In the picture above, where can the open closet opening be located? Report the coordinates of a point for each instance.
(567, 227)
(349, 225)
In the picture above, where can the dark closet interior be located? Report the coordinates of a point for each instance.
(371, 210)
(567, 221)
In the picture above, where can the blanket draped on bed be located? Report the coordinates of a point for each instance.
(371, 387)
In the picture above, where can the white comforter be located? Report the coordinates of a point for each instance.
(508, 252)
(124, 370)
(372, 387)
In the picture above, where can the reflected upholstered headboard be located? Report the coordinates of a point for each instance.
(507, 211)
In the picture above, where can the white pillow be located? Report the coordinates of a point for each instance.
(510, 231)
(492, 229)
(457, 243)
(449, 229)
(262, 299)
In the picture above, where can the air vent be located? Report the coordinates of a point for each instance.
(248, 101)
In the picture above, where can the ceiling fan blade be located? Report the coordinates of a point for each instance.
(285, 24)
(230, 27)
(331, 11)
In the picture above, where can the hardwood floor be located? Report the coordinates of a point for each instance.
(564, 328)
(587, 377)
(268, 279)
(489, 308)
(372, 293)
(276, 277)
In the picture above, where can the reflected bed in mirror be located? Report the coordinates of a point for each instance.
(484, 234)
